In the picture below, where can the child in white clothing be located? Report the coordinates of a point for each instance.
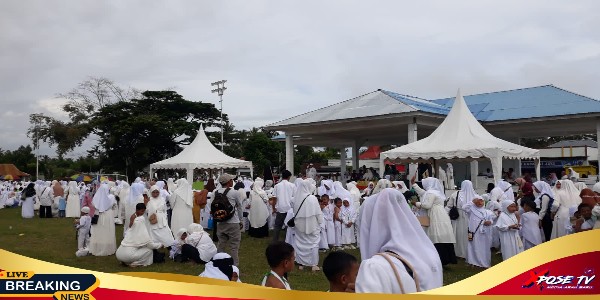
(348, 217)
(83, 225)
(337, 219)
(530, 228)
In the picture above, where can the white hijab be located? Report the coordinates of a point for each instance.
(184, 191)
(401, 186)
(388, 224)
(136, 190)
(340, 191)
(544, 188)
(568, 194)
(137, 235)
(466, 194)
(102, 202)
(580, 186)
(311, 205)
(433, 186)
(73, 189)
(507, 190)
(258, 209)
(381, 185)
(210, 271)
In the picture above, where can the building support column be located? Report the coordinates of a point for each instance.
(518, 169)
(412, 137)
(474, 173)
(355, 160)
(598, 141)
(289, 153)
(342, 165)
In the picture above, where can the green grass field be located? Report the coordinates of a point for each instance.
(53, 240)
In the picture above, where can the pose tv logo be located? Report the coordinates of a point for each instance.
(543, 280)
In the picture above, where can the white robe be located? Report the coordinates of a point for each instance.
(348, 216)
(73, 204)
(510, 242)
(478, 250)
(27, 208)
(103, 241)
(376, 275)
(459, 227)
(530, 230)
(329, 224)
(440, 227)
(182, 215)
(159, 232)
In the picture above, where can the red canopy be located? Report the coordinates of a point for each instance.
(371, 153)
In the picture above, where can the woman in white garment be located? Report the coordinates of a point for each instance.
(545, 199)
(508, 226)
(123, 202)
(465, 196)
(27, 206)
(387, 223)
(479, 236)
(134, 197)
(269, 190)
(308, 219)
(219, 267)
(566, 200)
(440, 228)
(136, 248)
(182, 204)
(259, 213)
(156, 210)
(103, 240)
(73, 203)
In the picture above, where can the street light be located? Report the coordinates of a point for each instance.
(219, 90)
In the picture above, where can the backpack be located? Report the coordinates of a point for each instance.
(548, 215)
(453, 213)
(221, 209)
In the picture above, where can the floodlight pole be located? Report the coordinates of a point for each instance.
(219, 90)
(37, 147)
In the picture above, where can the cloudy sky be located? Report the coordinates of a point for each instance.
(282, 58)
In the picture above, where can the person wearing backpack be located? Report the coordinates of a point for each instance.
(544, 200)
(226, 208)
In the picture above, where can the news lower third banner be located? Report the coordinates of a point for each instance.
(567, 267)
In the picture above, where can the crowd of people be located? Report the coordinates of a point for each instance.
(406, 233)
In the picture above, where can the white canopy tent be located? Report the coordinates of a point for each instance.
(461, 137)
(201, 154)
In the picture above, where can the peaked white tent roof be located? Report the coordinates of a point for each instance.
(461, 136)
(200, 154)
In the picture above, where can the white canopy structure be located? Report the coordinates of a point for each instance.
(460, 136)
(200, 154)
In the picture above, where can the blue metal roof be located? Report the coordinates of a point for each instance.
(418, 103)
(534, 102)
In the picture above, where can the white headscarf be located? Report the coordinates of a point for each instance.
(102, 202)
(136, 190)
(194, 228)
(507, 190)
(340, 191)
(568, 194)
(311, 204)
(596, 187)
(581, 186)
(258, 209)
(180, 232)
(237, 271)
(184, 191)
(466, 194)
(137, 235)
(544, 188)
(72, 188)
(210, 271)
(381, 185)
(388, 224)
(401, 186)
(171, 185)
(434, 186)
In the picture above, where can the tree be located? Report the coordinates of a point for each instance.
(85, 100)
(133, 134)
(261, 150)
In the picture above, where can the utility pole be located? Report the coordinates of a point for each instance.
(219, 90)
(37, 147)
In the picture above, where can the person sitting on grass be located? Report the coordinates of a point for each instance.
(281, 257)
(175, 252)
(220, 267)
(198, 246)
(137, 247)
(341, 269)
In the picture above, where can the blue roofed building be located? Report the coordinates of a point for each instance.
(384, 117)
